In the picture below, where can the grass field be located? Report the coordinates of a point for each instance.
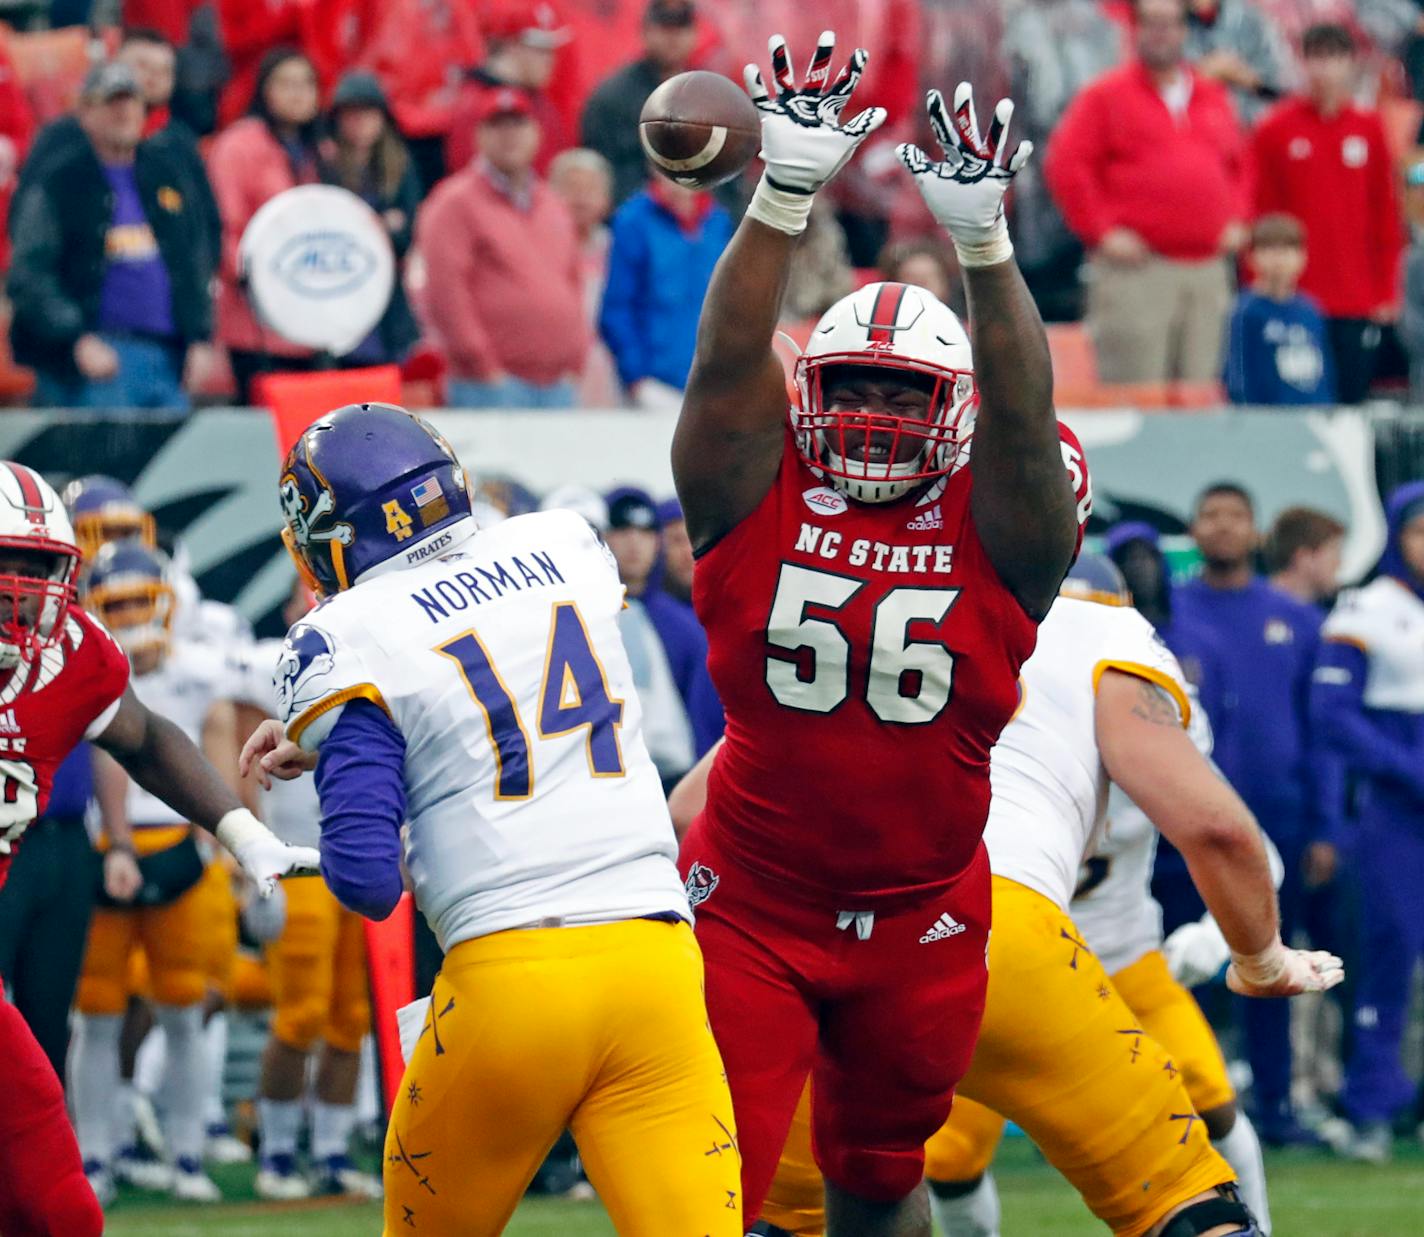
(1312, 1195)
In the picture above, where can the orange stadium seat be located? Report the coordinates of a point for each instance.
(50, 65)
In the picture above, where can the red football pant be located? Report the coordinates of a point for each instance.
(885, 1025)
(43, 1192)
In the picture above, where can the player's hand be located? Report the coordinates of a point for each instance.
(266, 859)
(272, 754)
(803, 142)
(965, 190)
(1279, 971)
(1196, 952)
(1123, 247)
(122, 879)
(264, 918)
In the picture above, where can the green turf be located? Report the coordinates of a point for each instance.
(1312, 1195)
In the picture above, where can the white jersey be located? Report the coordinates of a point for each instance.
(1049, 785)
(1114, 907)
(290, 809)
(192, 678)
(1386, 620)
(529, 789)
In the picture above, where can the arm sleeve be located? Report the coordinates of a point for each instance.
(34, 285)
(1073, 172)
(1339, 720)
(360, 780)
(619, 317)
(1387, 226)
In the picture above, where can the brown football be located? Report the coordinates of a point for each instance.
(699, 129)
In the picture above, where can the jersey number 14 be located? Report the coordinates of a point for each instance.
(574, 695)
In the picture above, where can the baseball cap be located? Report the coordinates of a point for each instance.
(632, 508)
(111, 80)
(358, 88)
(535, 23)
(671, 13)
(506, 101)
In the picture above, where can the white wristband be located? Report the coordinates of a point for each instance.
(992, 249)
(239, 827)
(1263, 968)
(786, 212)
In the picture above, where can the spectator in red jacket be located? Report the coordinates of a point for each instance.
(1324, 160)
(249, 163)
(17, 127)
(523, 38)
(503, 294)
(1146, 167)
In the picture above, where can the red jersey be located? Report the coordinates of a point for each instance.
(69, 693)
(867, 657)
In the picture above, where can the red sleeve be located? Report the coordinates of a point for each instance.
(1387, 222)
(1267, 195)
(1073, 167)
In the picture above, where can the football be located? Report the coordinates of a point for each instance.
(699, 129)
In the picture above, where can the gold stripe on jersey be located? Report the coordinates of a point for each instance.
(360, 691)
(1135, 668)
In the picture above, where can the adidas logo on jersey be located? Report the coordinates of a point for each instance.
(8, 724)
(926, 520)
(942, 929)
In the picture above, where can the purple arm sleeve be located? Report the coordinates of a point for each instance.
(360, 778)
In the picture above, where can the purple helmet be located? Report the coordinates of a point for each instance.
(1095, 577)
(369, 484)
(103, 509)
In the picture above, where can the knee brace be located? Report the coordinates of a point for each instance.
(1203, 1216)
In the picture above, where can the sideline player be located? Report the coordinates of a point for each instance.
(869, 592)
(473, 682)
(63, 679)
(317, 971)
(1102, 1099)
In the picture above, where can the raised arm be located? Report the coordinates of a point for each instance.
(730, 434)
(1148, 753)
(1023, 504)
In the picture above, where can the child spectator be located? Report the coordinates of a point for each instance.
(249, 163)
(365, 154)
(666, 240)
(1277, 350)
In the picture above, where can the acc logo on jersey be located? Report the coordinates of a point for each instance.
(824, 500)
(701, 881)
(307, 657)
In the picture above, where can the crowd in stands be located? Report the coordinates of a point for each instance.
(540, 266)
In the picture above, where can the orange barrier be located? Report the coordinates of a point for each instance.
(390, 960)
(296, 400)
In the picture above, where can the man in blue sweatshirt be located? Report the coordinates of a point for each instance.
(1268, 642)
(1368, 705)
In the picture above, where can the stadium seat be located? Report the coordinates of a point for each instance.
(51, 65)
(296, 400)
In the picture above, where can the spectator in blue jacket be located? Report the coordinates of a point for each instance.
(666, 240)
(1268, 642)
(1277, 352)
(1367, 702)
(667, 648)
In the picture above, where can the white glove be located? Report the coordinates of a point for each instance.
(264, 918)
(1196, 952)
(803, 142)
(1278, 971)
(264, 857)
(965, 192)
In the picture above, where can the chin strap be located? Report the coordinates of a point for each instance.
(1211, 1213)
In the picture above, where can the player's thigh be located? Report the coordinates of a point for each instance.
(881, 1093)
(514, 1037)
(1171, 1015)
(300, 963)
(1062, 1055)
(350, 1011)
(175, 940)
(963, 1147)
(796, 1201)
(656, 1130)
(103, 979)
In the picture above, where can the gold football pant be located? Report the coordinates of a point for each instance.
(599, 1029)
(318, 971)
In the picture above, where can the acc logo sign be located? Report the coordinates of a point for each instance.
(824, 500)
(324, 264)
(307, 657)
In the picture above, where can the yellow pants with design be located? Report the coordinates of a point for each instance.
(219, 905)
(318, 971)
(172, 967)
(1062, 1054)
(599, 1029)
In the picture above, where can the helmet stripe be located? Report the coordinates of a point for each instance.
(30, 497)
(885, 313)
